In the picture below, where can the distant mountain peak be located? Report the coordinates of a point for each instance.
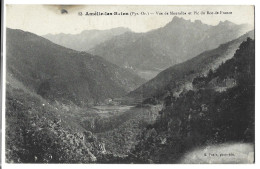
(86, 39)
(177, 19)
(177, 41)
(226, 23)
(198, 21)
(123, 29)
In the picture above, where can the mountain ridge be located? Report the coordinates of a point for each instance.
(56, 72)
(177, 41)
(181, 75)
(206, 116)
(86, 39)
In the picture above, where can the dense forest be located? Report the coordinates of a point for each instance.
(38, 133)
(219, 109)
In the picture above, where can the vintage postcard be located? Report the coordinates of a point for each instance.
(129, 84)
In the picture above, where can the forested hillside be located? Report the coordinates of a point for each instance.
(38, 132)
(179, 77)
(58, 73)
(220, 109)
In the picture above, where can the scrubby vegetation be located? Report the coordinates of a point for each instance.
(205, 115)
(123, 138)
(35, 133)
(41, 132)
(216, 107)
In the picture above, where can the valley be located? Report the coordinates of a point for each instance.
(107, 110)
(123, 97)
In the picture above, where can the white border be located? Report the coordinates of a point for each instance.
(136, 2)
(133, 2)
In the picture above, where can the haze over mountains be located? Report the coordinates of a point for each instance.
(179, 77)
(151, 52)
(174, 43)
(86, 39)
(54, 94)
(58, 73)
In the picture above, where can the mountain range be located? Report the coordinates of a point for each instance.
(203, 94)
(179, 40)
(86, 39)
(59, 73)
(179, 77)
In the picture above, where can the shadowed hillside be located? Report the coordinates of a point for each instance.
(58, 73)
(39, 132)
(219, 110)
(179, 77)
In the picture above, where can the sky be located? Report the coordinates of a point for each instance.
(54, 19)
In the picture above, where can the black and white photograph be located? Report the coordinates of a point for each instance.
(129, 84)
